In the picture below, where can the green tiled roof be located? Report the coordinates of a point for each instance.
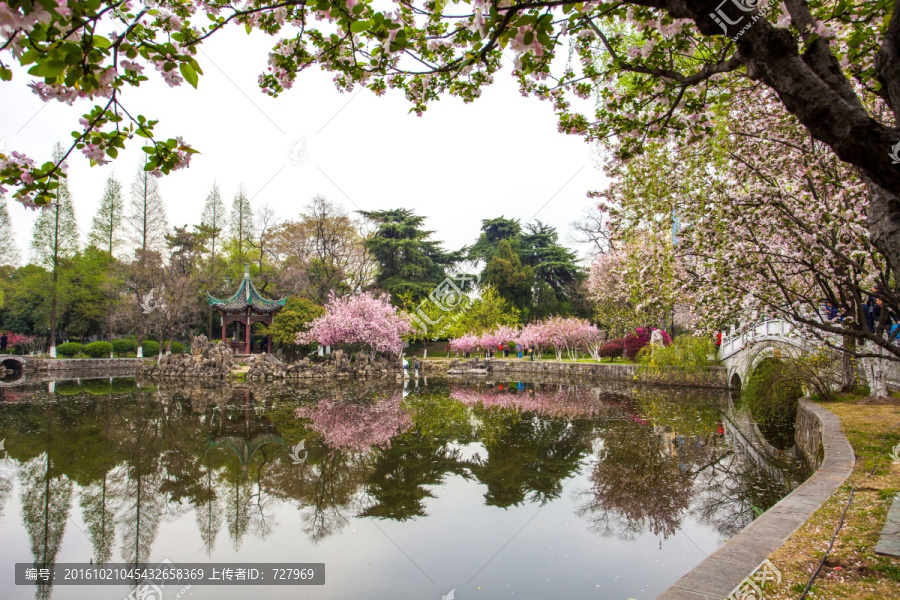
(246, 297)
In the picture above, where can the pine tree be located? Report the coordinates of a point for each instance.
(241, 227)
(146, 213)
(214, 216)
(55, 237)
(9, 250)
(106, 230)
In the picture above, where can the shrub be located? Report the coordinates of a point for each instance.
(69, 349)
(635, 341)
(98, 349)
(771, 395)
(687, 353)
(613, 348)
(123, 347)
(177, 348)
(150, 347)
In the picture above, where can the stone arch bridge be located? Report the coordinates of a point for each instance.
(740, 353)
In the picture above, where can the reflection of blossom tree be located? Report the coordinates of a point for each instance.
(639, 485)
(550, 400)
(359, 426)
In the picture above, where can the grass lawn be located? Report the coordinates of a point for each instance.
(852, 570)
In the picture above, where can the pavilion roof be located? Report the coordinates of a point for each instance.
(246, 297)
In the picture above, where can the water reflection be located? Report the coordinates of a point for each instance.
(136, 455)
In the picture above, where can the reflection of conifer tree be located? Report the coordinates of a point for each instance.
(529, 458)
(46, 499)
(142, 504)
(6, 486)
(140, 516)
(238, 510)
(208, 511)
(99, 502)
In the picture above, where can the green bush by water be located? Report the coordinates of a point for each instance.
(687, 353)
(150, 347)
(177, 348)
(98, 349)
(69, 349)
(772, 395)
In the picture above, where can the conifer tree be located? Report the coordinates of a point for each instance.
(106, 229)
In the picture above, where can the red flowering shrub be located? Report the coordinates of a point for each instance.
(635, 341)
(613, 348)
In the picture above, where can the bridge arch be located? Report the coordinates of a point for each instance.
(15, 363)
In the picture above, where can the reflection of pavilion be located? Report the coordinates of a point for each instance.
(243, 436)
(244, 308)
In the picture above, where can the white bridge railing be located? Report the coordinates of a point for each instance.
(732, 344)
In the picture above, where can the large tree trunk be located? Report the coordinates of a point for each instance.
(848, 364)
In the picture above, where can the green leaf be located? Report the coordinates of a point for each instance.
(190, 75)
(360, 26)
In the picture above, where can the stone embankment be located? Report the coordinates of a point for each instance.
(205, 360)
(713, 377)
(265, 367)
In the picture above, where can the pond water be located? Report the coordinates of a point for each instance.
(492, 490)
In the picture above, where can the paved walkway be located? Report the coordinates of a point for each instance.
(889, 543)
(726, 568)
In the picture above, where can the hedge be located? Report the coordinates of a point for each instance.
(98, 349)
(123, 347)
(69, 349)
(150, 347)
(177, 348)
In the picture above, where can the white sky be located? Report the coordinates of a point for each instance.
(457, 164)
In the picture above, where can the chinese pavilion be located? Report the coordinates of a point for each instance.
(244, 308)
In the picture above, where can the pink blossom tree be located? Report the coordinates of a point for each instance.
(359, 322)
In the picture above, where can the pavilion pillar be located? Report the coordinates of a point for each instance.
(247, 335)
(224, 328)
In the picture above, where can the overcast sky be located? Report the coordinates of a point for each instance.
(457, 164)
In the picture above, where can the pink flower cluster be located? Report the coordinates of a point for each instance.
(357, 426)
(359, 320)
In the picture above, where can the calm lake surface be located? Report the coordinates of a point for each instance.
(494, 490)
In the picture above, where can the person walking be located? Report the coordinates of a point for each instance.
(3, 341)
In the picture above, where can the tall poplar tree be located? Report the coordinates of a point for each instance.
(106, 229)
(55, 237)
(241, 227)
(9, 250)
(146, 216)
(215, 218)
